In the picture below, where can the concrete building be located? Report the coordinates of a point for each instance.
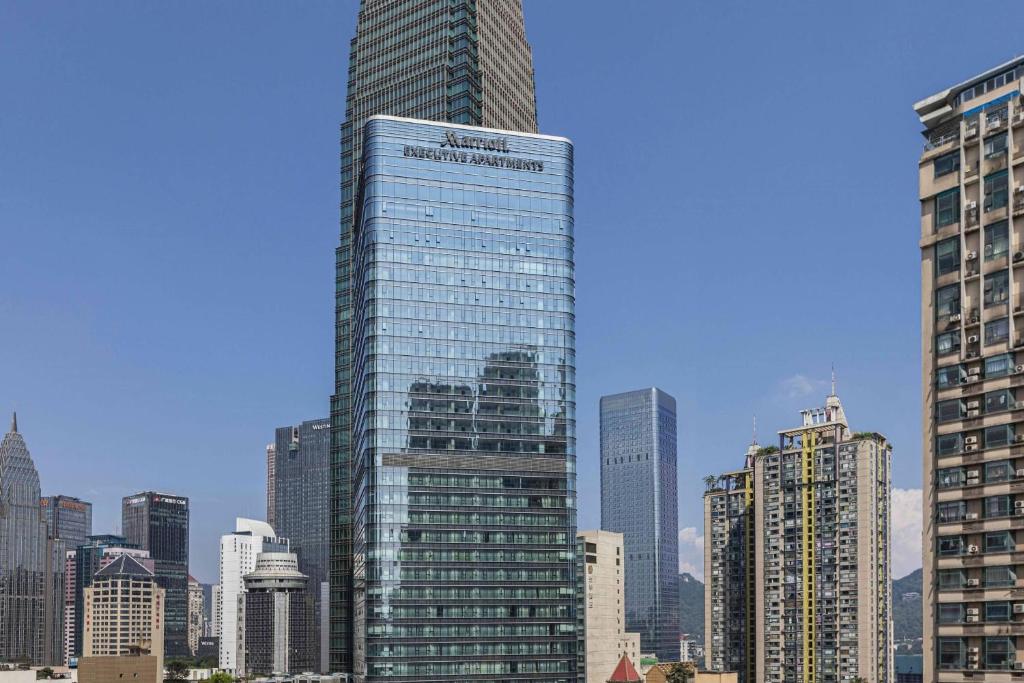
(124, 611)
(477, 71)
(602, 609)
(302, 492)
(120, 669)
(158, 523)
(271, 483)
(276, 616)
(195, 614)
(809, 521)
(972, 218)
(68, 519)
(97, 552)
(638, 499)
(238, 554)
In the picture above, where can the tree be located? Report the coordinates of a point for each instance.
(45, 672)
(678, 673)
(177, 670)
(710, 481)
(221, 677)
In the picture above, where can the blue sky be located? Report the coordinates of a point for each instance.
(746, 216)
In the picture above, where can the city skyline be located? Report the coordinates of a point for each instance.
(104, 434)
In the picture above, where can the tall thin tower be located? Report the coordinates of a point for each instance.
(459, 61)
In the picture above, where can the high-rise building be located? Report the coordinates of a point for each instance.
(271, 483)
(638, 499)
(97, 552)
(276, 613)
(797, 557)
(68, 519)
(972, 253)
(25, 581)
(464, 397)
(158, 522)
(124, 611)
(195, 614)
(602, 611)
(70, 584)
(302, 475)
(238, 554)
(461, 61)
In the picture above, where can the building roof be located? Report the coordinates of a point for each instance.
(625, 672)
(125, 565)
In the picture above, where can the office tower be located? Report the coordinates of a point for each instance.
(195, 614)
(602, 610)
(68, 519)
(217, 607)
(24, 556)
(461, 61)
(271, 483)
(972, 217)
(124, 611)
(816, 557)
(69, 606)
(276, 611)
(302, 475)
(238, 553)
(638, 499)
(158, 522)
(464, 377)
(97, 552)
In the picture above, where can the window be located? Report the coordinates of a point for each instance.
(947, 256)
(946, 164)
(998, 471)
(952, 511)
(947, 208)
(999, 366)
(1000, 435)
(997, 241)
(996, 401)
(951, 653)
(951, 478)
(1000, 577)
(995, 145)
(999, 542)
(952, 579)
(998, 611)
(997, 288)
(997, 331)
(947, 343)
(951, 613)
(947, 411)
(949, 376)
(947, 301)
(951, 545)
(997, 506)
(1000, 653)
(948, 444)
(996, 190)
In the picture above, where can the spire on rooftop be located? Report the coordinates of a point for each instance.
(14, 422)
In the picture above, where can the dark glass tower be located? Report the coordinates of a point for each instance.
(638, 499)
(159, 523)
(68, 519)
(461, 61)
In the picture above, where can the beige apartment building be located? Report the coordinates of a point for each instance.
(124, 612)
(972, 255)
(796, 560)
(602, 609)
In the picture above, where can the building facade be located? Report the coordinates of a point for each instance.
(818, 557)
(195, 614)
(302, 474)
(271, 483)
(464, 396)
(461, 61)
(638, 499)
(124, 611)
(602, 609)
(97, 552)
(158, 523)
(972, 217)
(238, 554)
(276, 619)
(68, 519)
(25, 582)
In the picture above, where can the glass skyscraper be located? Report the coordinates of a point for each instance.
(464, 406)
(461, 61)
(68, 519)
(638, 499)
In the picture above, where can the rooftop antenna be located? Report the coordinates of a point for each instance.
(755, 430)
(833, 379)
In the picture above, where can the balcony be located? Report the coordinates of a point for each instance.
(1018, 202)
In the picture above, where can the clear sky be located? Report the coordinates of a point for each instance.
(745, 213)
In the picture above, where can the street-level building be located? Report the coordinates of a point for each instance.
(817, 562)
(972, 319)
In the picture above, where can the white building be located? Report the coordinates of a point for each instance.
(603, 608)
(238, 552)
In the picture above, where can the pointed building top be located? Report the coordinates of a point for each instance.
(625, 672)
(14, 422)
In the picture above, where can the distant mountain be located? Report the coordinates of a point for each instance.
(906, 607)
(691, 606)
